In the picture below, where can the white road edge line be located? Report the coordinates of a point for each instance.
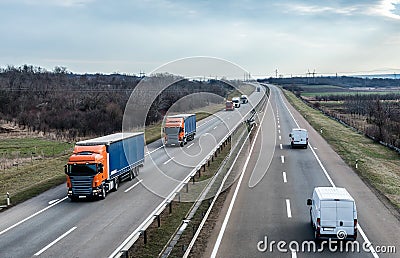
(284, 177)
(228, 213)
(33, 215)
(130, 188)
(190, 146)
(364, 236)
(55, 241)
(166, 162)
(289, 211)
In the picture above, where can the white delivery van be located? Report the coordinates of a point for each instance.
(298, 138)
(244, 99)
(333, 213)
(236, 102)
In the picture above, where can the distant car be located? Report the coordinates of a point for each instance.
(333, 213)
(258, 89)
(236, 102)
(244, 99)
(298, 138)
(229, 106)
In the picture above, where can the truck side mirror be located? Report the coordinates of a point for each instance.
(290, 135)
(309, 202)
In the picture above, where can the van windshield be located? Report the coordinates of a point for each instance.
(82, 170)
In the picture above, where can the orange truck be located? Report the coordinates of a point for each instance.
(98, 165)
(179, 129)
(229, 106)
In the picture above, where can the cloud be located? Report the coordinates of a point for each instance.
(62, 3)
(387, 8)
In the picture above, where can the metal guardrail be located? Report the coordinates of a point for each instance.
(123, 248)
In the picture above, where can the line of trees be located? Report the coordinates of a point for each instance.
(76, 105)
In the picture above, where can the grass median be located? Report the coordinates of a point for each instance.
(377, 165)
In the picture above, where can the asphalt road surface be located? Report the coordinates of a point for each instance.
(50, 225)
(273, 208)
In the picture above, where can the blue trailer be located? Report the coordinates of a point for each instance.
(98, 165)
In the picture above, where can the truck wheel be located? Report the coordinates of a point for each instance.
(182, 144)
(116, 184)
(103, 193)
(130, 178)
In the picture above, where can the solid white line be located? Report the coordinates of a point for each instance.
(33, 215)
(228, 214)
(283, 159)
(284, 177)
(289, 212)
(280, 137)
(280, 145)
(364, 236)
(166, 162)
(148, 153)
(55, 241)
(190, 146)
(130, 188)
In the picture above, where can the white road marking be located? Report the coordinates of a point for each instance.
(279, 131)
(55, 241)
(130, 188)
(53, 201)
(284, 177)
(283, 159)
(166, 162)
(289, 212)
(148, 153)
(190, 146)
(279, 126)
(294, 254)
(230, 208)
(215, 128)
(33, 215)
(280, 145)
(280, 137)
(364, 236)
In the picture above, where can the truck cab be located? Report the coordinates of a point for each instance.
(229, 106)
(236, 102)
(179, 129)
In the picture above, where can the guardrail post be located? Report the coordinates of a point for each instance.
(158, 220)
(356, 163)
(208, 163)
(125, 254)
(187, 187)
(8, 199)
(170, 207)
(145, 236)
(193, 179)
(204, 167)
(179, 196)
(212, 158)
(199, 172)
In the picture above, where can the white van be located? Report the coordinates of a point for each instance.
(298, 138)
(236, 102)
(244, 99)
(333, 213)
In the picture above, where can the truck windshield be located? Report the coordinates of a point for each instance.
(172, 130)
(82, 170)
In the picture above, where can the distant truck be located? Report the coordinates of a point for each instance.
(179, 129)
(333, 213)
(229, 106)
(244, 99)
(98, 165)
(236, 102)
(298, 138)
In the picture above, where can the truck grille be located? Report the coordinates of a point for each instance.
(81, 185)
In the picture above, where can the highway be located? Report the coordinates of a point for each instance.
(50, 225)
(273, 208)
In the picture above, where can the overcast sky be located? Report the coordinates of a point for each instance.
(106, 36)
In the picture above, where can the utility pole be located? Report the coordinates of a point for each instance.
(276, 73)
